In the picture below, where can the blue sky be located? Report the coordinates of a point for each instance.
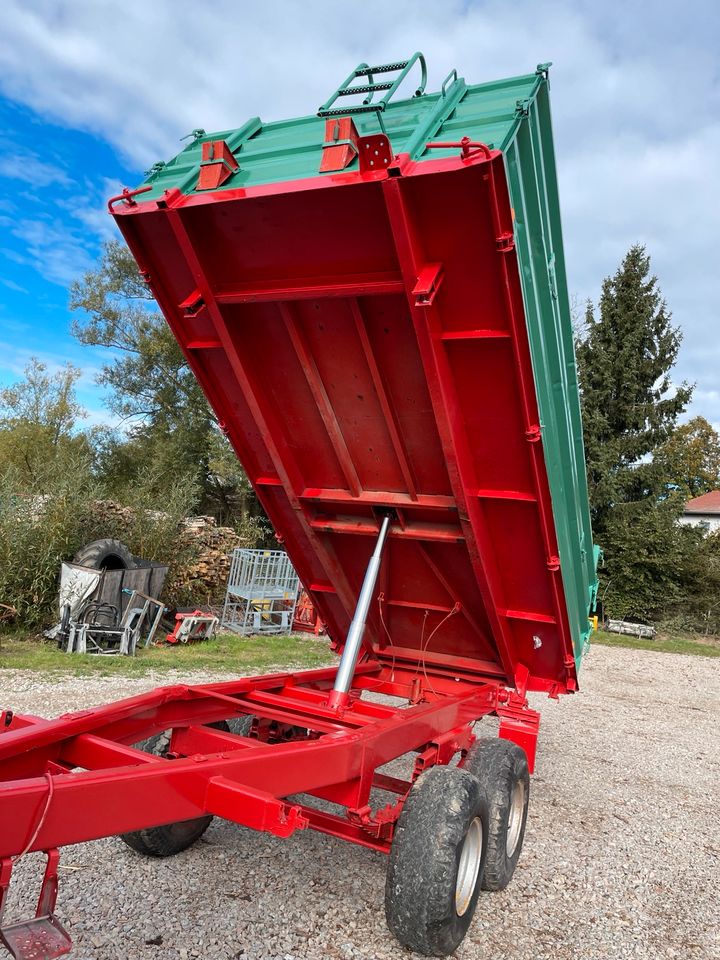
(53, 185)
(92, 92)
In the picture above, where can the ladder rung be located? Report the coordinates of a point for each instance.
(361, 108)
(365, 88)
(383, 68)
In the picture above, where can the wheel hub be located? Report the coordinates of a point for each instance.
(515, 817)
(469, 866)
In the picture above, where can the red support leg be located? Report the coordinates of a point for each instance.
(43, 937)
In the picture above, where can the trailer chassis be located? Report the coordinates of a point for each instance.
(300, 744)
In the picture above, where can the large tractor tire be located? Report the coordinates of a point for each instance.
(172, 838)
(436, 861)
(105, 555)
(502, 769)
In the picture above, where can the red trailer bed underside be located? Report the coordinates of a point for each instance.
(362, 339)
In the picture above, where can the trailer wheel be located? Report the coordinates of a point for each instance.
(436, 861)
(501, 767)
(240, 726)
(172, 838)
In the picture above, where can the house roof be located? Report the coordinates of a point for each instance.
(707, 503)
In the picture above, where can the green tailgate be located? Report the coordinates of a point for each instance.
(513, 116)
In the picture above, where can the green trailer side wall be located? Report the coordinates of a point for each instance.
(512, 115)
(530, 163)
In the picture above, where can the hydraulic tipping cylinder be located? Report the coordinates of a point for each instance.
(348, 661)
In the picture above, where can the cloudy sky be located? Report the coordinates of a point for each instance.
(92, 92)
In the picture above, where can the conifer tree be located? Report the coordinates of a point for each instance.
(630, 409)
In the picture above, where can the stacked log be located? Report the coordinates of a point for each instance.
(208, 556)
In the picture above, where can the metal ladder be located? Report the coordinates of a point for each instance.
(349, 88)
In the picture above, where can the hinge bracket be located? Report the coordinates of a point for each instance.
(505, 242)
(216, 166)
(428, 284)
(375, 153)
(341, 144)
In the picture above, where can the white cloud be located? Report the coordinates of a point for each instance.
(15, 256)
(8, 325)
(53, 250)
(99, 417)
(11, 285)
(14, 359)
(636, 106)
(19, 164)
(60, 241)
(91, 210)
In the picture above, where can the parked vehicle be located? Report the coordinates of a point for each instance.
(374, 301)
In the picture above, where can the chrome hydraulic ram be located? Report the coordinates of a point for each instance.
(346, 669)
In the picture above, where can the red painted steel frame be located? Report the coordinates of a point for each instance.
(299, 745)
(78, 778)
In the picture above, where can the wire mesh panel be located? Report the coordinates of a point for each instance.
(261, 593)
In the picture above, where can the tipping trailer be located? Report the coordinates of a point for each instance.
(374, 301)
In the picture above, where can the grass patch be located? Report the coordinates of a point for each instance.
(662, 643)
(226, 653)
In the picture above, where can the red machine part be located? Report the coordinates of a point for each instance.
(306, 619)
(341, 144)
(217, 165)
(196, 625)
(43, 937)
(299, 744)
(302, 746)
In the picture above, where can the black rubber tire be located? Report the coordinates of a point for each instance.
(241, 726)
(499, 765)
(420, 903)
(172, 838)
(105, 555)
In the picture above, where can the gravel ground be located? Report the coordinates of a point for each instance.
(621, 856)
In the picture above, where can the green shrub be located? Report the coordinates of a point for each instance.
(40, 530)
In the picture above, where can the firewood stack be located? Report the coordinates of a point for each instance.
(208, 565)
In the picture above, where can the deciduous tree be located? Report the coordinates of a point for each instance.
(690, 458)
(168, 422)
(38, 416)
